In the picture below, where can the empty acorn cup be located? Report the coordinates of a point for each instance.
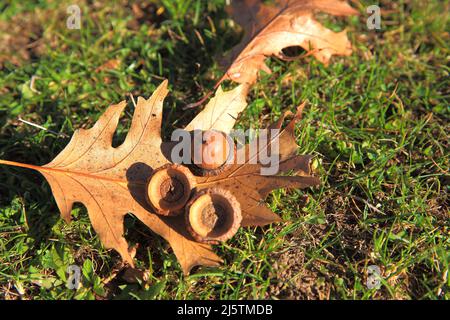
(169, 189)
(213, 215)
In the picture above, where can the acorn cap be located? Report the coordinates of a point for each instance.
(213, 215)
(209, 172)
(210, 156)
(169, 189)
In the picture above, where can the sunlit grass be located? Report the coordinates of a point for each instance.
(376, 122)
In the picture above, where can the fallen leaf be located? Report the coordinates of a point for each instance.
(222, 110)
(111, 64)
(251, 188)
(112, 181)
(288, 23)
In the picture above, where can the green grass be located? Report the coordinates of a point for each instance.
(377, 123)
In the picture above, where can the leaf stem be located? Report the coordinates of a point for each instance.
(22, 165)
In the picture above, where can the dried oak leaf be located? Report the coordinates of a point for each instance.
(251, 188)
(111, 182)
(288, 23)
(221, 111)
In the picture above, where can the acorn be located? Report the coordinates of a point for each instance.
(211, 155)
(213, 215)
(169, 189)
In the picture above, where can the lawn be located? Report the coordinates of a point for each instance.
(377, 123)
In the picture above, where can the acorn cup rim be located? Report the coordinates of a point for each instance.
(153, 193)
(226, 201)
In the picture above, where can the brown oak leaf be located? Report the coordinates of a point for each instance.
(221, 111)
(288, 23)
(111, 181)
(251, 188)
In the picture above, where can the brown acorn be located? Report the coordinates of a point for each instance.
(213, 215)
(210, 155)
(169, 189)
